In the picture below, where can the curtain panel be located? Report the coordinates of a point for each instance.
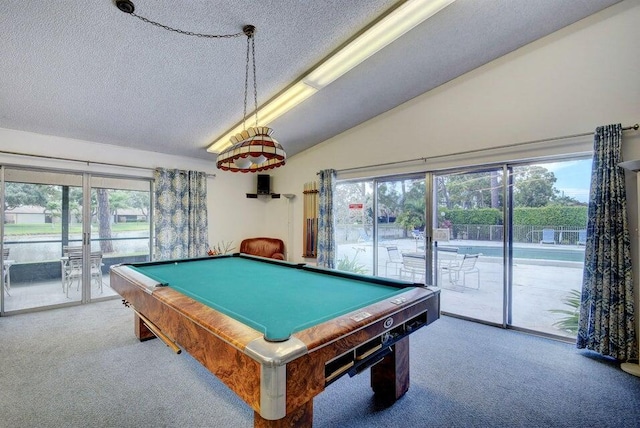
(326, 227)
(606, 323)
(181, 228)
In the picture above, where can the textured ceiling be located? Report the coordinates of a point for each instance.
(85, 70)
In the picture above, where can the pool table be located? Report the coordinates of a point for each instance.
(277, 333)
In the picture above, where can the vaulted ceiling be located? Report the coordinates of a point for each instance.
(85, 70)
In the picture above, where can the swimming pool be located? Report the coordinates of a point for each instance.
(546, 253)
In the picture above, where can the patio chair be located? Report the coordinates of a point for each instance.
(447, 256)
(464, 267)
(414, 267)
(70, 262)
(582, 237)
(417, 234)
(72, 268)
(363, 238)
(6, 265)
(548, 236)
(96, 269)
(395, 259)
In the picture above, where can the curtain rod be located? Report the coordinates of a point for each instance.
(89, 163)
(634, 127)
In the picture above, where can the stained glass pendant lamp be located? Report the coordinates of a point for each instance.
(253, 149)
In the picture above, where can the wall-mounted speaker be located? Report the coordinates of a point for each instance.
(264, 184)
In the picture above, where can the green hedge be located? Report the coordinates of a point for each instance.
(552, 215)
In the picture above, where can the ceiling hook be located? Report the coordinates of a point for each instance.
(125, 5)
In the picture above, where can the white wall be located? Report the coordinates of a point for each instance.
(580, 77)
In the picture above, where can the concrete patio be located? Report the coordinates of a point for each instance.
(539, 284)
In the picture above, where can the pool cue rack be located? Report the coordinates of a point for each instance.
(310, 233)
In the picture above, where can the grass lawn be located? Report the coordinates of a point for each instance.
(56, 228)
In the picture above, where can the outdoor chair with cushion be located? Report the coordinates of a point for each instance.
(582, 237)
(548, 236)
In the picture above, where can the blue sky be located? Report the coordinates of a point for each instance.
(574, 177)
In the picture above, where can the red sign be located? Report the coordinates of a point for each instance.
(355, 206)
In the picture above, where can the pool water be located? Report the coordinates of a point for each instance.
(561, 254)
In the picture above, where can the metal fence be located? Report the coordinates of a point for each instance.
(523, 234)
(346, 233)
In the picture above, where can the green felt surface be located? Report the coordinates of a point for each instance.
(277, 300)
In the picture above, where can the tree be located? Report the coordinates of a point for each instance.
(388, 201)
(75, 203)
(139, 200)
(495, 189)
(21, 194)
(412, 215)
(351, 193)
(533, 186)
(104, 221)
(118, 199)
(467, 191)
(567, 201)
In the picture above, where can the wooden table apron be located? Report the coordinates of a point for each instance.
(240, 357)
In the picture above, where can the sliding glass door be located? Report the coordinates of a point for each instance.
(549, 204)
(400, 226)
(120, 226)
(468, 243)
(61, 235)
(375, 244)
(354, 226)
(42, 215)
(517, 264)
(505, 244)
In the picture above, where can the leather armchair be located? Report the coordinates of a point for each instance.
(272, 248)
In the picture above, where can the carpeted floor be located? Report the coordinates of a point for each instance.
(83, 367)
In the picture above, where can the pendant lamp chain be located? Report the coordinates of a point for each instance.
(255, 85)
(249, 30)
(253, 149)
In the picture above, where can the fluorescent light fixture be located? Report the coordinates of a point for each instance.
(285, 102)
(266, 114)
(388, 29)
(395, 24)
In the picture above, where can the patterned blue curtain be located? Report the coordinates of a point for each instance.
(181, 228)
(326, 229)
(606, 323)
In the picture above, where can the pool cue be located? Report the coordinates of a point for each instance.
(304, 222)
(160, 335)
(307, 220)
(315, 218)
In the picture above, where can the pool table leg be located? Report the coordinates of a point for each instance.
(302, 417)
(141, 330)
(390, 377)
